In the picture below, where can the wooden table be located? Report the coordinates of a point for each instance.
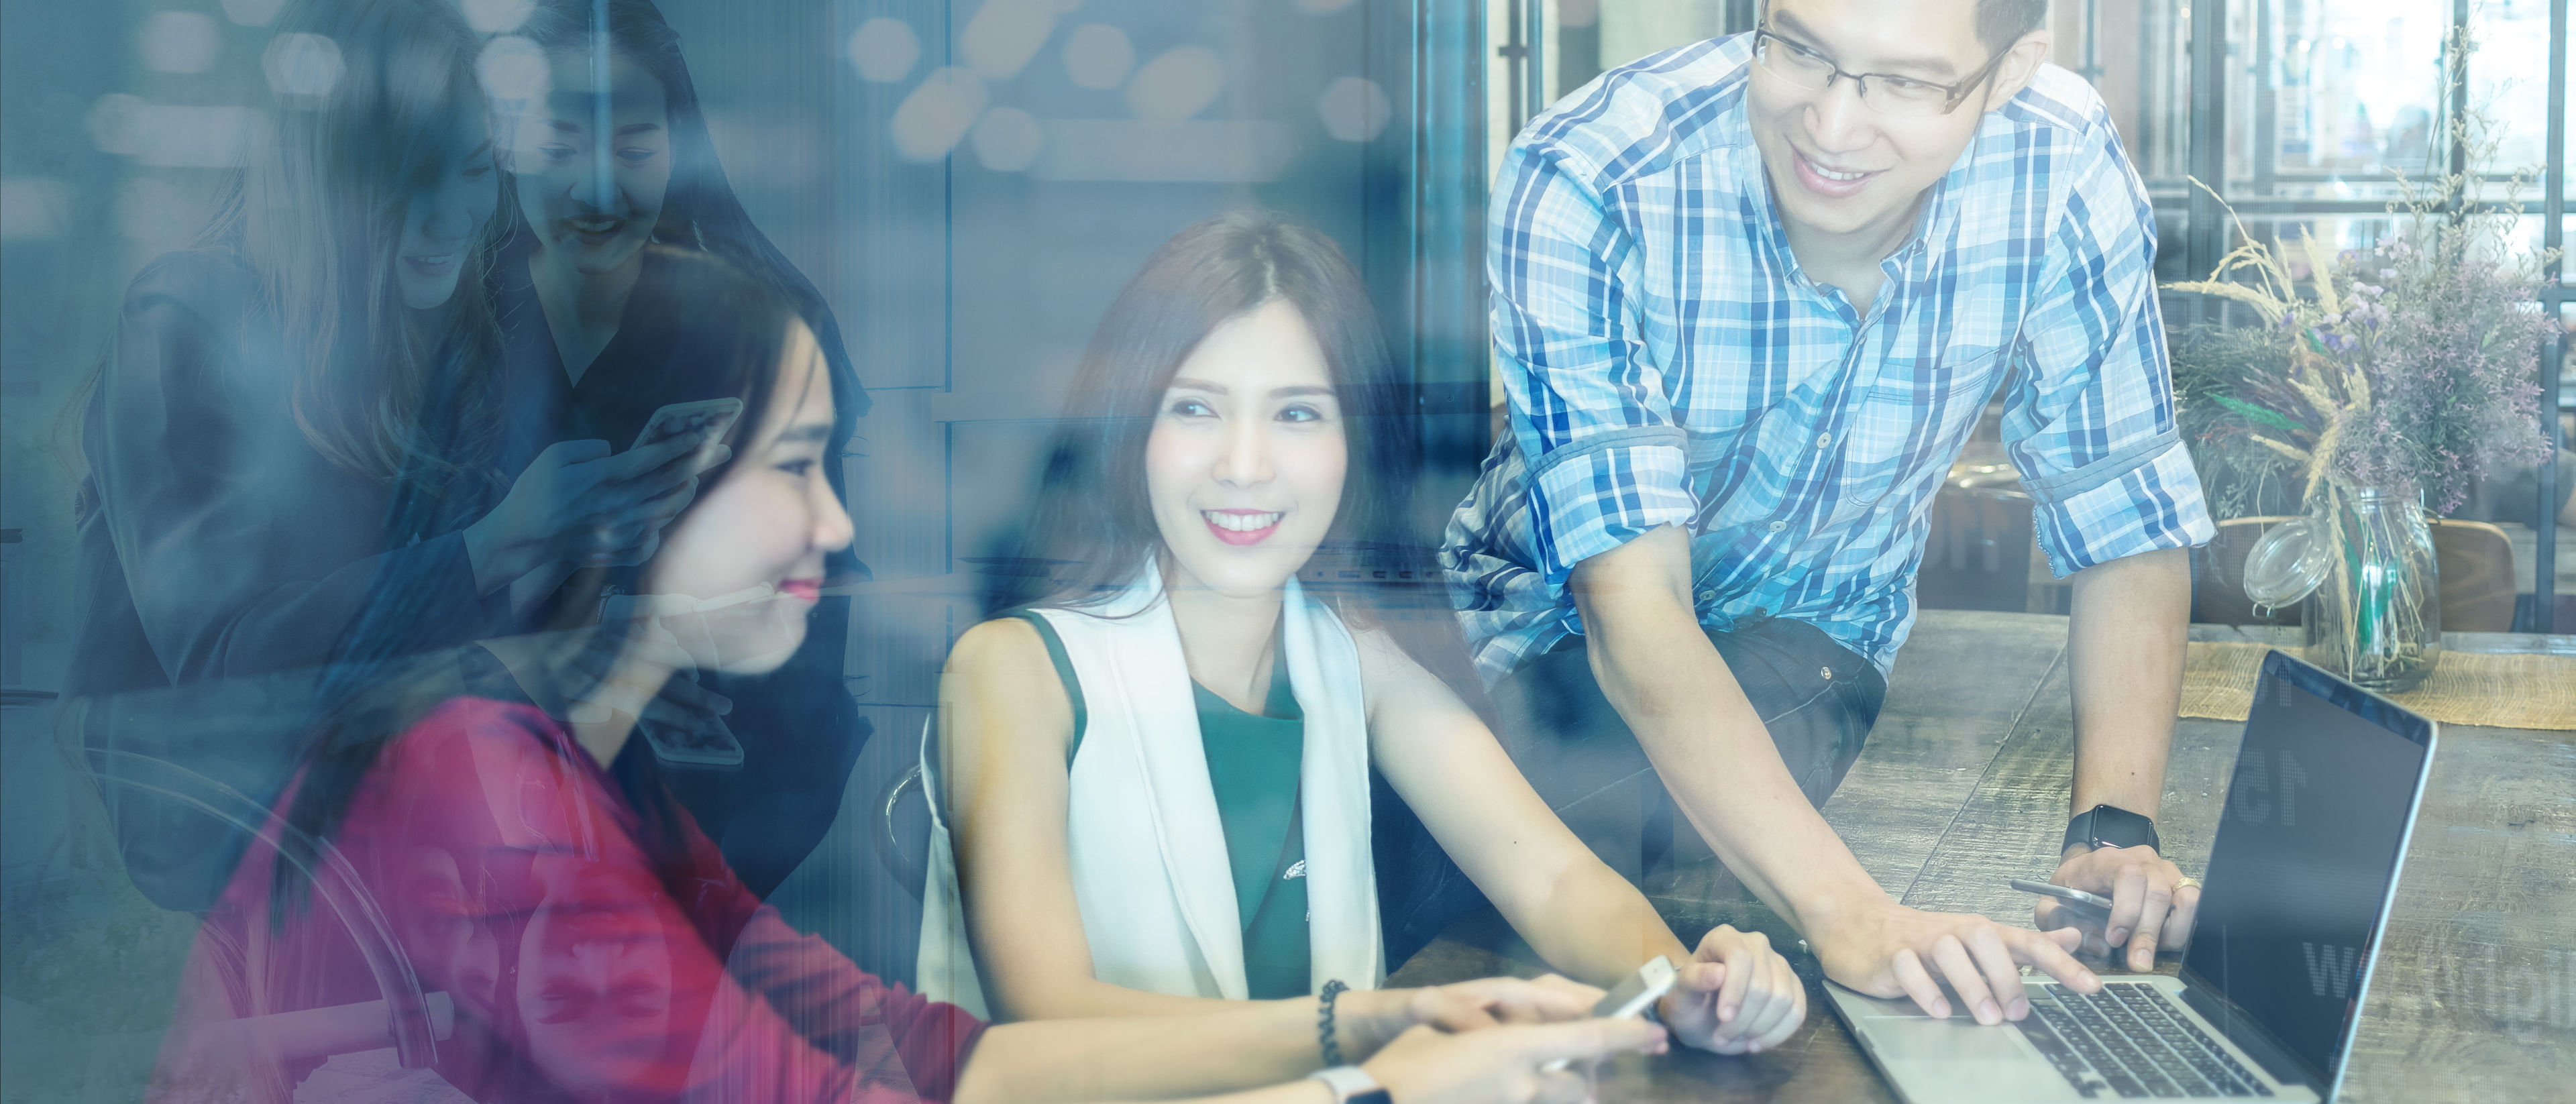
(1964, 783)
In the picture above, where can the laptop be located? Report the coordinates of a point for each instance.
(2300, 877)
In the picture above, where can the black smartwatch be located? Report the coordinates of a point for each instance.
(2110, 826)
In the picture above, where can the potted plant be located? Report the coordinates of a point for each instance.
(2392, 379)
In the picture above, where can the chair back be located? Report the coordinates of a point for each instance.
(907, 860)
(2475, 560)
(414, 1021)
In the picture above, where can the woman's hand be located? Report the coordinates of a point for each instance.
(1366, 1019)
(580, 505)
(1506, 1065)
(1736, 996)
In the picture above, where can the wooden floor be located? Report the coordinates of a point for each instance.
(1964, 783)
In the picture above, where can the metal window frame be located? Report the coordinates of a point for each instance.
(2206, 234)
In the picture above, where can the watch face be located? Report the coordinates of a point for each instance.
(2115, 827)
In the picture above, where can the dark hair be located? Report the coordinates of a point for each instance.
(699, 209)
(378, 684)
(2000, 23)
(1092, 527)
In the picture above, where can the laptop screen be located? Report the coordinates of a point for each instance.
(2306, 850)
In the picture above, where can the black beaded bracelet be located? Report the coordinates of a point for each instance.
(1324, 1022)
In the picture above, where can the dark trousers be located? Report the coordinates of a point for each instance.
(1816, 698)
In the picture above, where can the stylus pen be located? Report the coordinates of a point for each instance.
(2062, 893)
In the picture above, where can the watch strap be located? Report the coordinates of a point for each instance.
(1351, 1085)
(2110, 826)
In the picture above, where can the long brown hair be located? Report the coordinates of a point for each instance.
(318, 215)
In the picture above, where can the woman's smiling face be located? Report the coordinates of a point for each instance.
(768, 522)
(1245, 462)
(554, 157)
(446, 215)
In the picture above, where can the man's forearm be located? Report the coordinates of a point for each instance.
(2124, 655)
(1658, 669)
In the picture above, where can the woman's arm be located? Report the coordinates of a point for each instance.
(1004, 726)
(244, 550)
(1255, 1045)
(1577, 913)
(1582, 917)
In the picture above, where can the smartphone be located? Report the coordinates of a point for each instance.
(1639, 992)
(2062, 893)
(1632, 997)
(709, 417)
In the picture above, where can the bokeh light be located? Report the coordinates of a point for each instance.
(253, 13)
(1008, 139)
(513, 68)
(1354, 109)
(302, 66)
(935, 117)
(1177, 85)
(1004, 34)
(496, 16)
(178, 42)
(884, 49)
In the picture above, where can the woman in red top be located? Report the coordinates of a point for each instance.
(580, 940)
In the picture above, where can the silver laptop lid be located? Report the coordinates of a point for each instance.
(2305, 861)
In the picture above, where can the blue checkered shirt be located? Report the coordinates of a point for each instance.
(1669, 364)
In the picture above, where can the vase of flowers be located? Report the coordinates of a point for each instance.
(2376, 616)
(2389, 379)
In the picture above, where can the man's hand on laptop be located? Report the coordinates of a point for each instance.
(2152, 904)
(1887, 950)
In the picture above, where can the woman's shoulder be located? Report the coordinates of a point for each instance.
(182, 328)
(499, 771)
(1013, 643)
(1015, 663)
(483, 732)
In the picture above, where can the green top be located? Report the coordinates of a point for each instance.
(1253, 767)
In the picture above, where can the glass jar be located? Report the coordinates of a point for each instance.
(2376, 617)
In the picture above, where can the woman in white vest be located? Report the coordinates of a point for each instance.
(1152, 778)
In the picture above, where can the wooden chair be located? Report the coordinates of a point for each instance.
(2476, 563)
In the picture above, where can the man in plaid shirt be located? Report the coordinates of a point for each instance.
(1750, 298)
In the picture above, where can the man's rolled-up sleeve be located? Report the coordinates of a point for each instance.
(1606, 459)
(2091, 424)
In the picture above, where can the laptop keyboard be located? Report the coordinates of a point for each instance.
(2130, 1041)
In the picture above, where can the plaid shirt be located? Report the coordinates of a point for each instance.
(1668, 363)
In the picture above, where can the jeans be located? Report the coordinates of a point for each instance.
(1816, 698)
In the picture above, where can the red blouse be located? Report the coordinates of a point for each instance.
(589, 953)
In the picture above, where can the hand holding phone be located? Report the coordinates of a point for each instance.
(1639, 992)
(1631, 998)
(707, 417)
(2075, 896)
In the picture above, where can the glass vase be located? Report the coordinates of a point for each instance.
(2377, 618)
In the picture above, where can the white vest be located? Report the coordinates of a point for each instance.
(1146, 847)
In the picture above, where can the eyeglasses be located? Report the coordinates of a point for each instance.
(1902, 97)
